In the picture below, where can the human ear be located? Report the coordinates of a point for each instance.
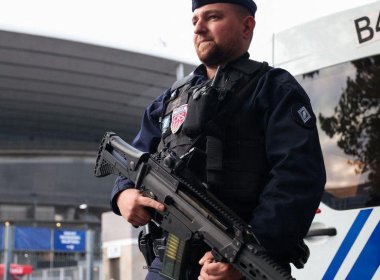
(249, 24)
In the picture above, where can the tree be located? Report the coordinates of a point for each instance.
(356, 121)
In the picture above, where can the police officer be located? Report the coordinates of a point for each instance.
(257, 133)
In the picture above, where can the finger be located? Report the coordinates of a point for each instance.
(140, 217)
(216, 268)
(146, 201)
(219, 271)
(203, 273)
(143, 214)
(136, 223)
(137, 212)
(207, 256)
(135, 220)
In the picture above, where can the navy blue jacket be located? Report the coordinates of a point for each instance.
(297, 175)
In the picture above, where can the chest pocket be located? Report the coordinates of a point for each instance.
(203, 107)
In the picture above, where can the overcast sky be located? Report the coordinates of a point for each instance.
(160, 28)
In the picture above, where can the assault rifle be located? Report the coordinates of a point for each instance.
(190, 211)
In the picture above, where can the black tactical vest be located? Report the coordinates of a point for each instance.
(209, 125)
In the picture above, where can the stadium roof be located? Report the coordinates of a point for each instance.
(63, 95)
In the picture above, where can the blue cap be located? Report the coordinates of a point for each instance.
(248, 4)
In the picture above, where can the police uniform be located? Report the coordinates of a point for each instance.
(258, 145)
(272, 164)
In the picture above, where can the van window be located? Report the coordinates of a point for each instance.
(346, 101)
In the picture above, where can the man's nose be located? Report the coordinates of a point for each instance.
(200, 27)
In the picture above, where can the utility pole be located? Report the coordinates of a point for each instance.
(8, 249)
(89, 254)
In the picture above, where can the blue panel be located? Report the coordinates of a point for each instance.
(369, 259)
(69, 240)
(347, 244)
(33, 239)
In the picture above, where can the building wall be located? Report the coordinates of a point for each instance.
(121, 255)
(57, 100)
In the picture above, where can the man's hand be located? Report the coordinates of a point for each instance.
(132, 205)
(212, 270)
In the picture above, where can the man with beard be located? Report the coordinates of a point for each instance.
(257, 134)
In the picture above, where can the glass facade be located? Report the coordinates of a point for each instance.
(346, 101)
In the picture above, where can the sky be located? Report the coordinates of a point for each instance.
(161, 28)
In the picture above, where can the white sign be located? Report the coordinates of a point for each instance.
(113, 251)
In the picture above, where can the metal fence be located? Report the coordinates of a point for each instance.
(50, 264)
(56, 266)
(66, 273)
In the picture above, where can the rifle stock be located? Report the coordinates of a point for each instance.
(190, 211)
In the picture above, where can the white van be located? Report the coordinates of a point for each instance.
(344, 244)
(337, 60)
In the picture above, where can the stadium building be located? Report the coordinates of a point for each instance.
(57, 99)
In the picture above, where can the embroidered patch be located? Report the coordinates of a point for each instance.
(303, 115)
(178, 117)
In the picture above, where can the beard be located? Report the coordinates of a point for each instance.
(210, 54)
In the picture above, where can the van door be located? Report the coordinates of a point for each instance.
(343, 244)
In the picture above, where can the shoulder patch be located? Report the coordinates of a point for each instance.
(303, 115)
